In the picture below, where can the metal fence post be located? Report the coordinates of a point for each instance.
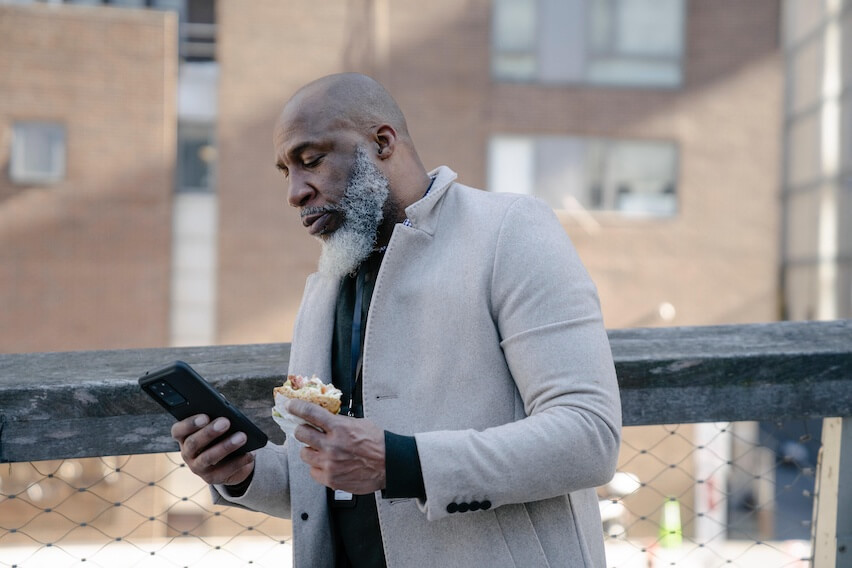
(832, 532)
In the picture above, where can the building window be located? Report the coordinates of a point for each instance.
(632, 43)
(196, 157)
(38, 153)
(630, 177)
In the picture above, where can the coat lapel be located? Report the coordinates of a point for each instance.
(314, 327)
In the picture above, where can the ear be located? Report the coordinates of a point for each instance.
(385, 139)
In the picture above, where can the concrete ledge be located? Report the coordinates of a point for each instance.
(88, 403)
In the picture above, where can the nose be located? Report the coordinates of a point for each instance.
(299, 192)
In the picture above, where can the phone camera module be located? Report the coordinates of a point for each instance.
(167, 394)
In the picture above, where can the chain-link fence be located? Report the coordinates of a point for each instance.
(716, 494)
(140, 510)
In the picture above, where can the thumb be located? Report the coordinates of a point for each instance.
(309, 412)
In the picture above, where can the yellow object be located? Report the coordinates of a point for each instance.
(671, 532)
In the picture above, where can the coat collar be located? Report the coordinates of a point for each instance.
(420, 213)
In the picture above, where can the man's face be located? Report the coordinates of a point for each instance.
(341, 194)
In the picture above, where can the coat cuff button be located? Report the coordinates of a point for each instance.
(485, 505)
(452, 508)
(304, 516)
(464, 507)
(475, 505)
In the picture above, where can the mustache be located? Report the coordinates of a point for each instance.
(317, 210)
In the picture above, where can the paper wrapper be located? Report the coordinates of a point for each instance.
(286, 421)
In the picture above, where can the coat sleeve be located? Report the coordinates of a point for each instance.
(268, 491)
(548, 316)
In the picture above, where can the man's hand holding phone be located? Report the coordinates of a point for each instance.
(215, 463)
(219, 451)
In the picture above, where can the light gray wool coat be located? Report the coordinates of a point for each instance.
(485, 341)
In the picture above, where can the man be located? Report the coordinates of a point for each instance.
(480, 401)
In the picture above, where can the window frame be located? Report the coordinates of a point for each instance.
(19, 174)
(198, 132)
(590, 55)
(604, 147)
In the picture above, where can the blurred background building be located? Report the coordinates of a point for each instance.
(696, 151)
(816, 193)
(140, 206)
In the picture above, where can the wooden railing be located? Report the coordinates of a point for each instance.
(79, 404)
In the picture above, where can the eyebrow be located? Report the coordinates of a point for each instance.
(297, 150)
(292, 153)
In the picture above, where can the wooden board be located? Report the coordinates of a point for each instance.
(79, 404)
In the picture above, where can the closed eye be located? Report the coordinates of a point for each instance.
(314, 162)
(282, 169)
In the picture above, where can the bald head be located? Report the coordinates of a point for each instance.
(351, 99)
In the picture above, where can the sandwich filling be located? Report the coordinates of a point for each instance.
(309, 389)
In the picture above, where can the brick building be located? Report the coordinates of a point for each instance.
(714, 259)
(101, 234)
(85, 230)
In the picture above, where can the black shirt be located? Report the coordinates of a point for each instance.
(354, 524)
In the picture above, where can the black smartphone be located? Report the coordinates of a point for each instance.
(184, 393)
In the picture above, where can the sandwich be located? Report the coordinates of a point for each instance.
(309, 389)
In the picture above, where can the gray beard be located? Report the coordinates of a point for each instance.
(362, 206)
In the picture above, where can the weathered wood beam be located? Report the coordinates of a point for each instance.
(88, 403)
(734, 372)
